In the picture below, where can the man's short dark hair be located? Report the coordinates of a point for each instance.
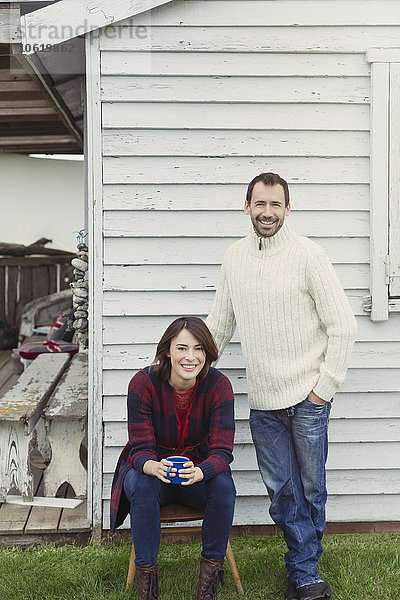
(270, 179)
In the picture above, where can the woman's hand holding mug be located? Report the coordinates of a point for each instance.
(158, 469)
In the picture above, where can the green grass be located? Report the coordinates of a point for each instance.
(358, 566)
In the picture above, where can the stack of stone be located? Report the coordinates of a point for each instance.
(80, 294)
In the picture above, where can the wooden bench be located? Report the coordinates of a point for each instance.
(65, 424)
(20, 429)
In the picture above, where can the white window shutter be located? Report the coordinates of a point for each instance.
(379, 190)
(394, 195)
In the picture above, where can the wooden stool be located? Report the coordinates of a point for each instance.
(175, 513)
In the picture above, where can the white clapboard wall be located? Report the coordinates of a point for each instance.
(197, 98)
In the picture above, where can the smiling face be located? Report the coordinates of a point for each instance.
(267, 209)
(187, 360)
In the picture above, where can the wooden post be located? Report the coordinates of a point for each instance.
(95, 241)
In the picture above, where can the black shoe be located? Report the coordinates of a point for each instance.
(315, 591)
(291, 591)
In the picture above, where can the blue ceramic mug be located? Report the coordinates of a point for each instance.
(177, 461)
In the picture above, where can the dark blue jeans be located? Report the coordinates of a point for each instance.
(292, 448)
(146, 494)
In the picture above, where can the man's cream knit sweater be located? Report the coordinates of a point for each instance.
(296, 326)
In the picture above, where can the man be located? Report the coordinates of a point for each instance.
(297, 332)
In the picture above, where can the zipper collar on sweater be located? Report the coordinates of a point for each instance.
(271, 245)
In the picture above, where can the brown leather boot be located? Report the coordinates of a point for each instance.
(147, 582)
(211, 575)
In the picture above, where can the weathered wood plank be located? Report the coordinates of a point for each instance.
(26, 400)
(205, 277)
(2, 291)
(340, 430)
(270, 13)
(208, 251)
(361, 482)
(41, 280)
(359, 379)
(228, 196)
(168, 142)
(232, 169)
(69, 400)
(158, 115)
(388, 330)
(13, 519)
(254, 39)
(342, 455)
(235, 224)
(39, 140)
(358, 508)
(5, 357)
(136, 356)
(141, 304)
(9, 383)
(19, 86)
(9, 70)
(81, 17)
(365, 380)
(74, 520)
(200, 277)
(339, 509)
(43, 520)
(364, 508)
(155, 305)
(9, 25)
(12, 274)
(34, 103)
(29, 114)
(229, 63)
(346, 405)
(26, 292)
(265, 90)
(33, 261)
(7, 376)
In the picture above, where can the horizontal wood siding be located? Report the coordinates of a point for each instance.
(197, 98)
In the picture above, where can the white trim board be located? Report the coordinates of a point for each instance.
(95, 213)
(375, 55)
(394, 182)
(68, 19)
(385, 165)
(379, 189)
(47, 502)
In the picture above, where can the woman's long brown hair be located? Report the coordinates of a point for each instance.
(199, 330)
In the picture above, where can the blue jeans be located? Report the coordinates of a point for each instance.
(292, 448)
(146, 494)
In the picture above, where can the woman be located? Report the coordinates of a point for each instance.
(178, 406)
